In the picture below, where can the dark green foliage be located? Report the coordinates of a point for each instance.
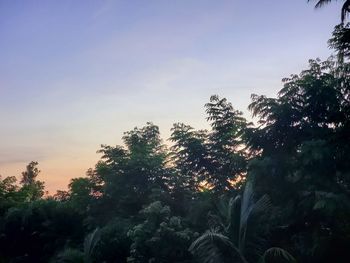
(33, 232)
(302, 139)
(277, 255)
(239, 232)
(114, 244)
(80, 193)
(9, 195)
(160, 238)
(69, 255)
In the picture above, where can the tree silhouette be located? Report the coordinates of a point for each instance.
(344, 10)
(30, 174)
(32, 189)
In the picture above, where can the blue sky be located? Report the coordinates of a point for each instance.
(77, 74)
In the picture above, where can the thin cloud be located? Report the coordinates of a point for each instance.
(22, 154)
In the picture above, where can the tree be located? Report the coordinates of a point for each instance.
(134, 175)
(160, 238)
(29, 176)
(226, 145)
(344, 10)
(234, 235)
(190, 154)
(80, 193)
(216, 158)
(114, 244)
(8, 193)
(35, 231)
(340, 42)
(302, 145)
(312, 106)
(31, 189)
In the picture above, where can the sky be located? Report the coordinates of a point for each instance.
(77, 74)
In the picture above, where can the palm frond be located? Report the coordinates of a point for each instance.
(69, 255)
(234, 218)
(234, 207)
(222, 208)
(215, 221)
(246, 203)
(321, 3)
(345, 10)
(276, 254)
(231, 240)
(262, 205)
(90, 243)
(209, 246)
(249, 209)
(246, 208)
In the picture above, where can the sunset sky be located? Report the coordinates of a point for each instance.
(77, 74)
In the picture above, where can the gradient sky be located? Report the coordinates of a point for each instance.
(77, 74)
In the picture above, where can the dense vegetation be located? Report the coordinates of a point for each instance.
(274, 191)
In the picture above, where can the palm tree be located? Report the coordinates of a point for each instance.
(235, 238)
(344, 10)
(71, 255)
